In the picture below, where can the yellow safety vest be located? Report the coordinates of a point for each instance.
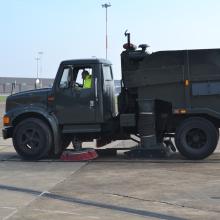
(87, 84)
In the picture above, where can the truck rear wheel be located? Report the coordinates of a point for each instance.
(32, 139)
(196, 138)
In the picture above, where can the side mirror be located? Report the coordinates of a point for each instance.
(65, 85)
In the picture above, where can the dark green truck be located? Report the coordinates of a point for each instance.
(165, 94)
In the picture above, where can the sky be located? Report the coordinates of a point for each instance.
(71, 29)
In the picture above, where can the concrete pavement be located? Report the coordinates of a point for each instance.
(108, 188)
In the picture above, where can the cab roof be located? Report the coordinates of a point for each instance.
(86, 61)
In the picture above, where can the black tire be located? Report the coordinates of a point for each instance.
(32, 139)
(217, 130)
(196, 138)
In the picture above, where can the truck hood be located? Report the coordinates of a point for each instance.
(37, 97)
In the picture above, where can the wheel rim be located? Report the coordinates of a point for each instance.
(30, 140)
(196, 138)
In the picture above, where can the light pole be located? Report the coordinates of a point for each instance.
(40, 53)
(106, 6)
(37, 80)
(37, 60)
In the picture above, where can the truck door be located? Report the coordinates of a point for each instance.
(74, 103)
(109, 99)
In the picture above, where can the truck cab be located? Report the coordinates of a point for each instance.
(68, 111)
(90, 107)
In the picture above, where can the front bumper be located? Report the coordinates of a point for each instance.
(7, 132)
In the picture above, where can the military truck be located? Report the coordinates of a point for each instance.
(164, 95)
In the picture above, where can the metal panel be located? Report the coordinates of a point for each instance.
(127, 120)
(206, 88)
(146, 122)
(79, 128)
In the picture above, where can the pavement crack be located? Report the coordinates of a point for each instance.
(162, 202)
(128, 210)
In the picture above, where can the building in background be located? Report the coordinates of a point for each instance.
(21, 84)
(24, 84)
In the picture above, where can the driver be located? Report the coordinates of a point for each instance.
(87, 79)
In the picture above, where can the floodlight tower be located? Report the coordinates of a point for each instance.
(106, 6)
(37, 61)
(40, 53)
(37, 79)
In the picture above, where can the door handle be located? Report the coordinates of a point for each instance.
(91, 104)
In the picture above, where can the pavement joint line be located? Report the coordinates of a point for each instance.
(56, 211)
(50, 195)
(44, 192)
(35, 193)
(138, 212)
(6, 207)
(72, 173)
(84, 202)
(63, 212)
(10, 215)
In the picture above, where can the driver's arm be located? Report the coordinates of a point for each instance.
(77, 85)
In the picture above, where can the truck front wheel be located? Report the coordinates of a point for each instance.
(32, 139)
(196, 138)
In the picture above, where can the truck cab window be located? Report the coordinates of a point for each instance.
(66, 78)
(84, 77)
(107, 73)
